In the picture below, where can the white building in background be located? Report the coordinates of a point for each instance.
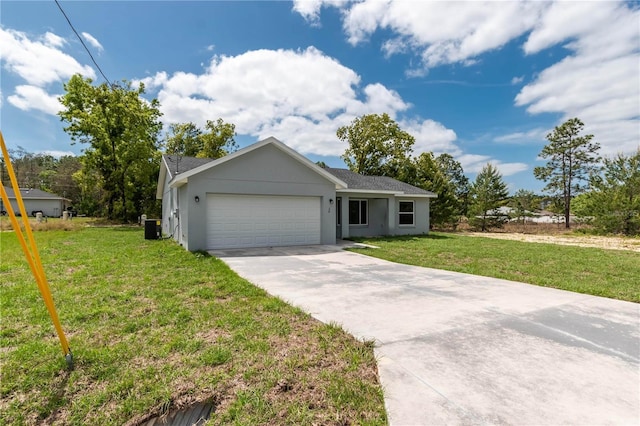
(36, 200)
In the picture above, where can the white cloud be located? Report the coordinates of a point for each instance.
(153, 82)
(443, 32)
(597, 81)
(58, 154)
(301, 97)
(534, 135)
(508, 169)
(35, 98)
(430, 136)
(92, 41)
(38, 62)
(310, 9)
(53, 40)
(566, 20)
(473, 163)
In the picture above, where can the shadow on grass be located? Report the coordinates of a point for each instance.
(57, 399)
(131, 229)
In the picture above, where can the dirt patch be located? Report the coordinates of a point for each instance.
(609, 243)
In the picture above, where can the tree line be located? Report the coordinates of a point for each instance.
(116, 175)
(605, 191)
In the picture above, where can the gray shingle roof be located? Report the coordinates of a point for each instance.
(375, 183)
(29, 193)
(180, 164)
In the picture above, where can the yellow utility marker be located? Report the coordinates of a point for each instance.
(33, 257)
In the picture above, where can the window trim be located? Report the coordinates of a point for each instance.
(359, 201)
(412, 213)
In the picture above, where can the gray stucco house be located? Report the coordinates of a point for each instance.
(267, 195)
(36, 200)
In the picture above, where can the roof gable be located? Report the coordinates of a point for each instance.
(182, 178)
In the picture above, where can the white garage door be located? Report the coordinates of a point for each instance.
(235, 221)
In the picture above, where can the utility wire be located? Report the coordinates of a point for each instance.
(82, 41)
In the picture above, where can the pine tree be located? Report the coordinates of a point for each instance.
(572, 158)
(488, 192)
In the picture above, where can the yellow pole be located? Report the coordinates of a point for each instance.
(33, 256)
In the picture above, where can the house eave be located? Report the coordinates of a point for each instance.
(382, 192)
(161, 179)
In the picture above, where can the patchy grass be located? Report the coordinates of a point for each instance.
(154, 327)
(607, 273)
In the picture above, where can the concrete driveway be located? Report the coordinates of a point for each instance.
(462, 349)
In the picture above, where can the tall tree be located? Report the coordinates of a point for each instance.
(488, 193)
(218, 139)
(62, 182)
(572, 158)
(427, 174)
(615, 198)
(121, 129)
(23, 167)
(453, 170)
(215, 141)
(90, 184)
(377, 145)
(183, 139)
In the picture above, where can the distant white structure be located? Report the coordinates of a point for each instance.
(36, 200)
(543, 216)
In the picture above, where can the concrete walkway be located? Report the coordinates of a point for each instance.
(462, 349)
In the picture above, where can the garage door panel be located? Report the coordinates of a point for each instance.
(236, 221)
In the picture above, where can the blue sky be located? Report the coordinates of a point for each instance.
(483, 81)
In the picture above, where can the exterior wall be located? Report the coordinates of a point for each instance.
(174, 214)
(383, 216)
(264, 171)
(182, 227)
(168, 207)
(50, 208)
(377, 220)
(421, 218)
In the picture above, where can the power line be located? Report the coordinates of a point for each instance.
(82, 41)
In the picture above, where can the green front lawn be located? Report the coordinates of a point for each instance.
(153, 327)
(608, 273)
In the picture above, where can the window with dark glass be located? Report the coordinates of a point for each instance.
(357, 212)
(406, 213)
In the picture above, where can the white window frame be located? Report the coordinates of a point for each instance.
(359, 201)
(412, 213)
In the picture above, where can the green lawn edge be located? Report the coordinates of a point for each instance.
(599, 272)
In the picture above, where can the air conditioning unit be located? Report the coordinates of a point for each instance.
(152, 229)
